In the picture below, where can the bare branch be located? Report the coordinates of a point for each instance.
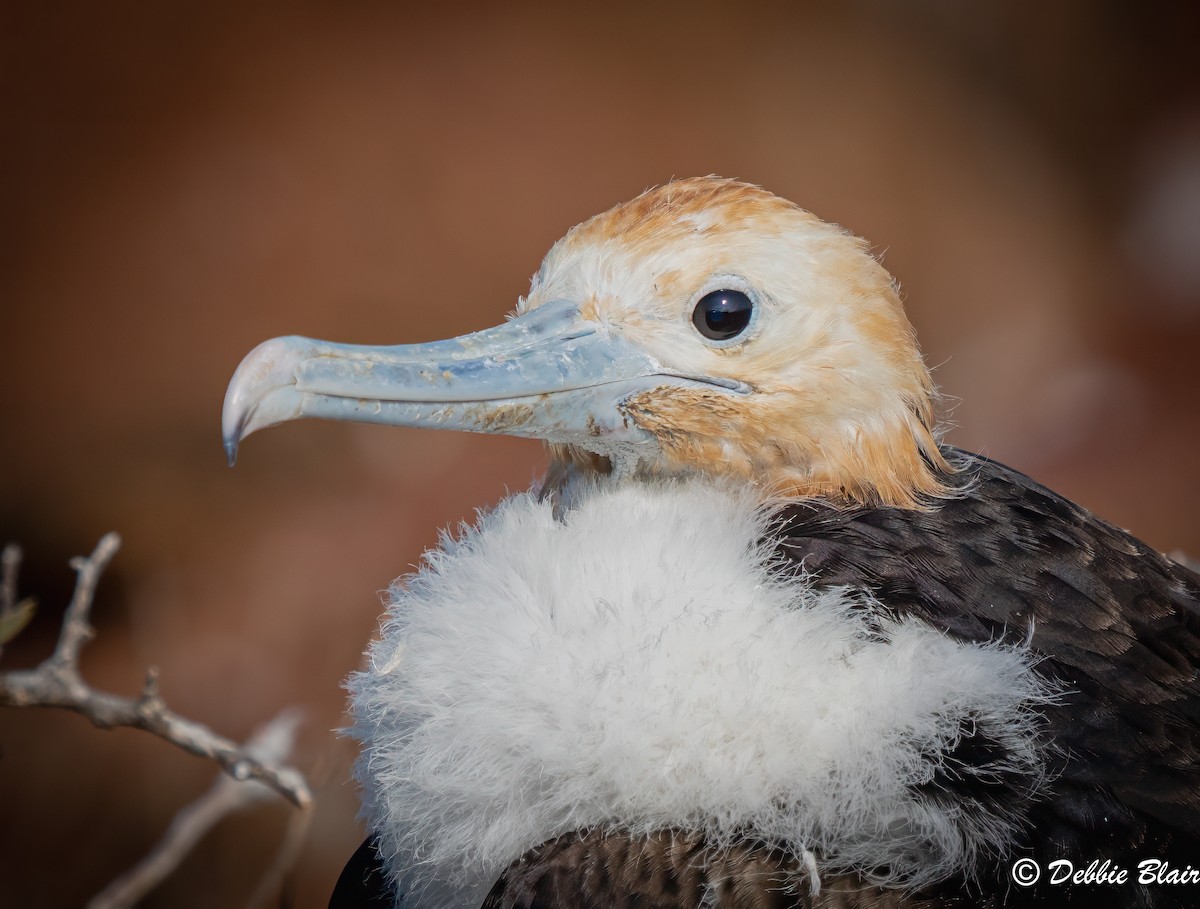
(57, 682)
(14, 616)
(273, 879)
(271, 743)
(10, 564)
(77, 627)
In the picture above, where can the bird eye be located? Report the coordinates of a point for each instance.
(722, 314)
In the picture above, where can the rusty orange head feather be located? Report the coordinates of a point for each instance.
(841, 403)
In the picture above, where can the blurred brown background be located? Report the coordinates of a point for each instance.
(182, 180)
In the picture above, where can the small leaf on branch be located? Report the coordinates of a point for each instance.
(13, 621)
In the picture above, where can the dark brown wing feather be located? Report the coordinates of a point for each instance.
(363, 883)
(672, 869)
(1117, 623)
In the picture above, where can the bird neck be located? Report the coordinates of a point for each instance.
(907, 472)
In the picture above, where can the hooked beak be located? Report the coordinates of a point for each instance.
(548, 374)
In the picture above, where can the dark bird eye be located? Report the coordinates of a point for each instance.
(722, 314)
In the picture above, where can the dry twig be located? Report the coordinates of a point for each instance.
(14, 616)
(272, 743)
(57, 682)
(275, 877)
(10, 561)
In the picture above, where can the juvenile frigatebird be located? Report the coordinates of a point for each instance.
(760, 639)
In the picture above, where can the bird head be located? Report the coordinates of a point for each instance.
(705, 327)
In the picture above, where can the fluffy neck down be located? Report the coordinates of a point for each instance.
(636, 664)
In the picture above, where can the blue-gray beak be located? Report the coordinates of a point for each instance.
(548, 374)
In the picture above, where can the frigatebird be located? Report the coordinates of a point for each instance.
(760, 638)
